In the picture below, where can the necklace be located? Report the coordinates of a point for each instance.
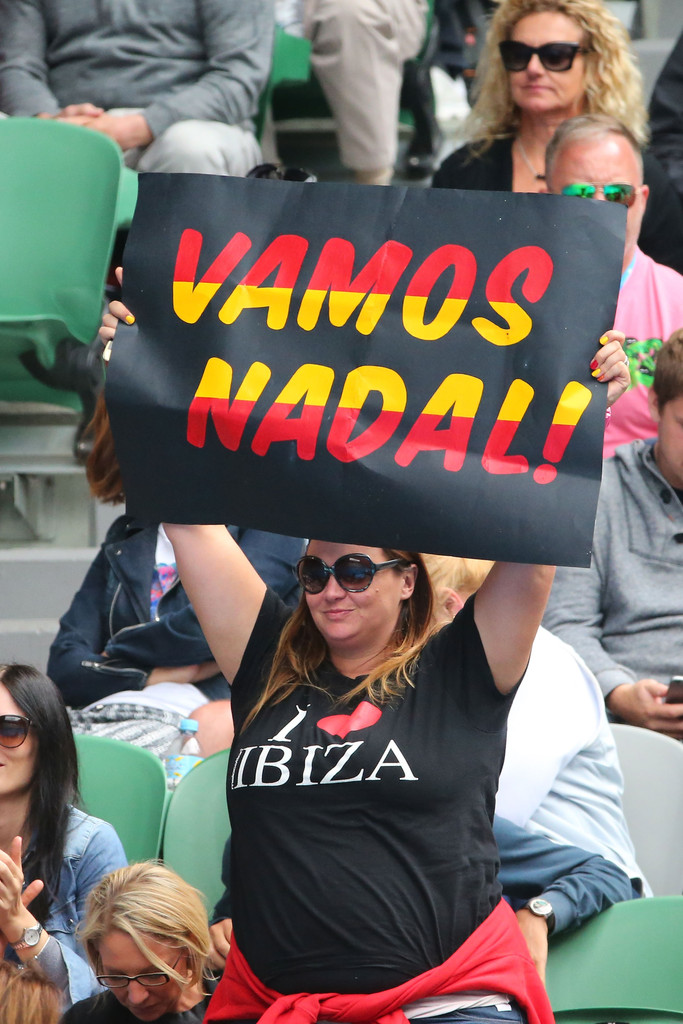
(527, 161)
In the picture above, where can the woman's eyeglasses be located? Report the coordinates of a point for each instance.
(152, 980)
(354, 573)
(619, 192)
(553, 56)
(122, 980)
(13, 730)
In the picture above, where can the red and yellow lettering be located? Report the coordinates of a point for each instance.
(313, 384)
(285, 254)
(460, 393)
(538, 267)
(464, 267)
(573, 402)
(495, 458)
(213, 396)
(190, 300)
(374, 283)
(357, 386)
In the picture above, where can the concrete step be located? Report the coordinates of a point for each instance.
(37, 585)
(39, 582)
(27, 641)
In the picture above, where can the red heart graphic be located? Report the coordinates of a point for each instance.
(363, 717)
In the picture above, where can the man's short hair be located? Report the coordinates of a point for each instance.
(668, 378)
(588, 128)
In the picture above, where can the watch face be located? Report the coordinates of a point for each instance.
(540, 906)
(32, 936)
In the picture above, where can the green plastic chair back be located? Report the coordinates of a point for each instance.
(58, 194)
(127, 198)
(197, 826)
(622, 965)
(291, 64)
(126, 786)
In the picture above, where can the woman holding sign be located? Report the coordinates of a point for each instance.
(545, 61)
(362, 780)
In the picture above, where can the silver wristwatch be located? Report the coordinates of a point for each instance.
(29, 939)
(541, 908)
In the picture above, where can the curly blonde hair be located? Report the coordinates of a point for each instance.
(613, 83)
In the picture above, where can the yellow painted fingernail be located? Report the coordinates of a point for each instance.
(130, 319)
(604, 339)
(596, 373)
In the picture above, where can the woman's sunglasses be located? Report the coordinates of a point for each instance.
(553, 56)
(354, 573)
(13, 730)
(617, 193)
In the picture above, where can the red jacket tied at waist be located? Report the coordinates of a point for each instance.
(494, 958)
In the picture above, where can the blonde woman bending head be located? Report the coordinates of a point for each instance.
(146, 936)
(545, 61)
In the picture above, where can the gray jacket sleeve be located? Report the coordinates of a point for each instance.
(24, 90)
(239, 41)
(575, 610)
(237, 38)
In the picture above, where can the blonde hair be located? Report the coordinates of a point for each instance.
(447, 572)
(613, 83)
(27, 995)
(148, 901)
(302, 650)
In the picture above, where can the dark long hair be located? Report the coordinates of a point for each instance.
(54, 786)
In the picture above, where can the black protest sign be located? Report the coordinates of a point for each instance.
(385, 366)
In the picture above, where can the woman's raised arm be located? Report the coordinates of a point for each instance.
(508, 609)
(225, 590)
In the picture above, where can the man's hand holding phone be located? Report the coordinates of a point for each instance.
(647, 703)
(674, 695)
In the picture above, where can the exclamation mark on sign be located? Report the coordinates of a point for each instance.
(571, 406)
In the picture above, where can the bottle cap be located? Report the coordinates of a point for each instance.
(189, 725)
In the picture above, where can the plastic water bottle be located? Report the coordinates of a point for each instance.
(183, 754)
(289, 15)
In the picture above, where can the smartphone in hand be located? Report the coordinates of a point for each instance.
(674, 694)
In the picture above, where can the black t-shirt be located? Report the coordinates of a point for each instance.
(363, 853)
(106, 1009)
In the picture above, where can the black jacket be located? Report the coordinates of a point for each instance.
(666, 116)
(661, 234)
(110, 615)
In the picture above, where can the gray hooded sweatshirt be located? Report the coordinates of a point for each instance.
(624, 615)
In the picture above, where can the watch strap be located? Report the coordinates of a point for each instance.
(23, 942)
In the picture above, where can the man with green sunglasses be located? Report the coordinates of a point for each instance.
(594, 156)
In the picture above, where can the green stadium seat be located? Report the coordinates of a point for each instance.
(126, 786)
(197, 826)
(58, 194)
(622, 965)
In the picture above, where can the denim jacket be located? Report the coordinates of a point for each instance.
(92, 849)
(106, 641)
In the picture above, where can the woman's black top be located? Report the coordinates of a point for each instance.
(661, 233)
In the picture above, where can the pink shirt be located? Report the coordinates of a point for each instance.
(649, 310)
